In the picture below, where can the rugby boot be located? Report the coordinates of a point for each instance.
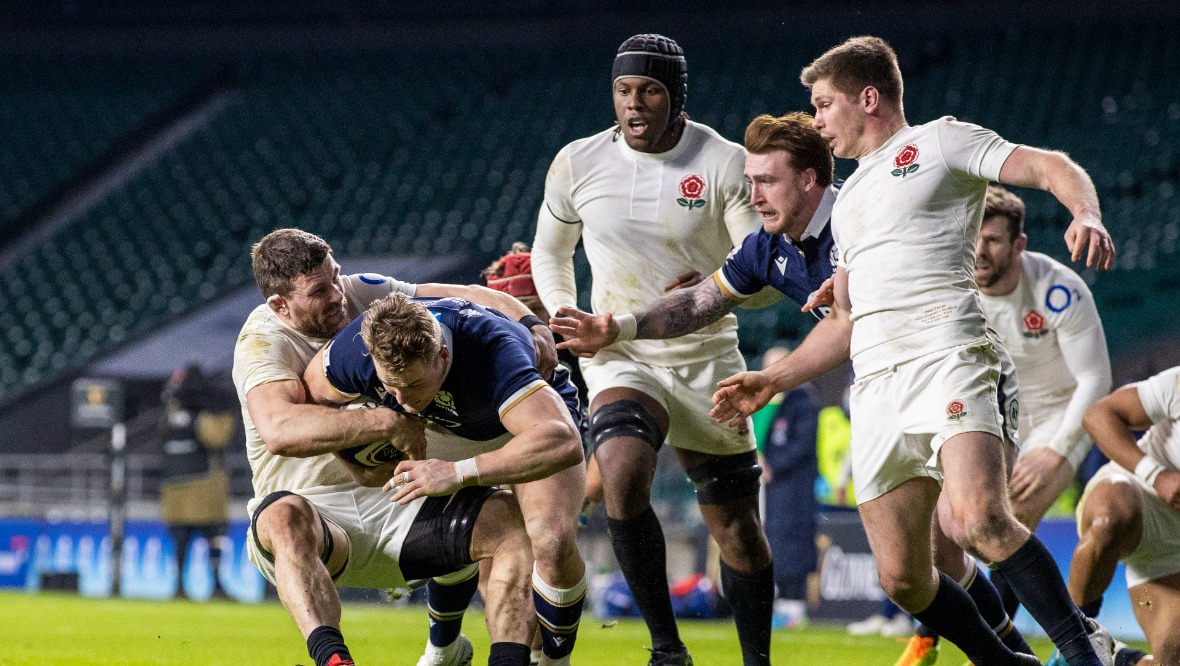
(458, 653)
(920, 651)
(677, 656)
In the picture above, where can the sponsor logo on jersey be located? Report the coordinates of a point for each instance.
(905, 161)
(956, 410)
(781, 262)
(444, 400)
(691, 189)
(1034, 324)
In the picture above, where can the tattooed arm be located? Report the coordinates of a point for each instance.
(677, 313)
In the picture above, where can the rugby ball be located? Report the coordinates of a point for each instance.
(374, 453)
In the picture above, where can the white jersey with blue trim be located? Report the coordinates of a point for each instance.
(1050, 326)
(1160, 397)
(906, 223)
(268, 350)
(645, 218)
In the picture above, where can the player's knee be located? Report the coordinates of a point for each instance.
(287, 522)
(727, 479)
(555, 550)
(1112, 526)
(902, 587)
(984, 524)
(624, 418)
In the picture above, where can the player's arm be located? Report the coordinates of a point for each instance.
(553, 260)
(1059, 175)
(291, 427)
(544, 441)
(676, 313)
(826, 347)
(1112, 421)
(543, 340)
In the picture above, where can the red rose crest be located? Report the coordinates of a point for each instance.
(1034, 322)
(691, 189)
(956, 410)
(905, 160)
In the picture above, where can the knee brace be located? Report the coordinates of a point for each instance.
(724, 479)
(624, 418)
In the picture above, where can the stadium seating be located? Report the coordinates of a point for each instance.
(404, 153)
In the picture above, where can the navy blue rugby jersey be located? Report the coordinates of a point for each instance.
(771, 260)
(493, 367)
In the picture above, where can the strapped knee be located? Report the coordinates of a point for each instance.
(722, 480)
(624, 418)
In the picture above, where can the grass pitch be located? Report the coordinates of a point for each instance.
(71, 630)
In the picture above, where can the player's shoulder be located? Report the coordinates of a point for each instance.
(711, 140)
(263, 323)
(589, 145)
(1045, 271)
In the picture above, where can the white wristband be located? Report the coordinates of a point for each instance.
(467, 472)
(627, 327)
(1147, 469)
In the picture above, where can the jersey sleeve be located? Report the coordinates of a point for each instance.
(741, 219)
(347, 364)
(559, 188)
(738, 277)
(261, 358)
(1160, 396)
(972, 151)
(1083, 348)
(364, 288)
(512, 364)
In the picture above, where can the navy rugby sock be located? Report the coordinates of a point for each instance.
(953, 615)
(751, 596)
(446, 601)
(326, 642)
(558, 613)
(987, 600)
(639, 547)
(508, 654)
(1091, 608)
(1032, 573)
(1007, 594)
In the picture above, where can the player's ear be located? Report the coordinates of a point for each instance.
(1021, 243)
(444, 353)
(870, 99)
(810, 180)
(277, 304)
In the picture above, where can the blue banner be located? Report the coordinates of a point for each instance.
(32, 549)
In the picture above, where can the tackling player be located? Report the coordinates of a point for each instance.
(306, 532)
(926, 404)
(653, 198)
(491, 419)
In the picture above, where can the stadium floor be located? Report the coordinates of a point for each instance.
(71, 630)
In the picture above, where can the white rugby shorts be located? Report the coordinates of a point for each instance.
(1158, 554)
(376, 530)
(1038, 430)
(902, 415)
(685, 391)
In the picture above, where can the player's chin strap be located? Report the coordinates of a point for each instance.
(722, 480)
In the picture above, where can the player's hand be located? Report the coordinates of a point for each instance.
(1087, 231)
(740, 396)
(584, 333)
(825, 295)
(684, 281)
(1167, 486)
(1030, 472)
(546, 350)
(408, 434)
(422, 478)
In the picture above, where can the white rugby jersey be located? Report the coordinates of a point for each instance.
(1160, 396)
(906, 222)
(1050, 326)
(644, 218)
(268, 350)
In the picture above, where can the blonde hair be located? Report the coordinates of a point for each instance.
(857, 64)
(399, 332)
